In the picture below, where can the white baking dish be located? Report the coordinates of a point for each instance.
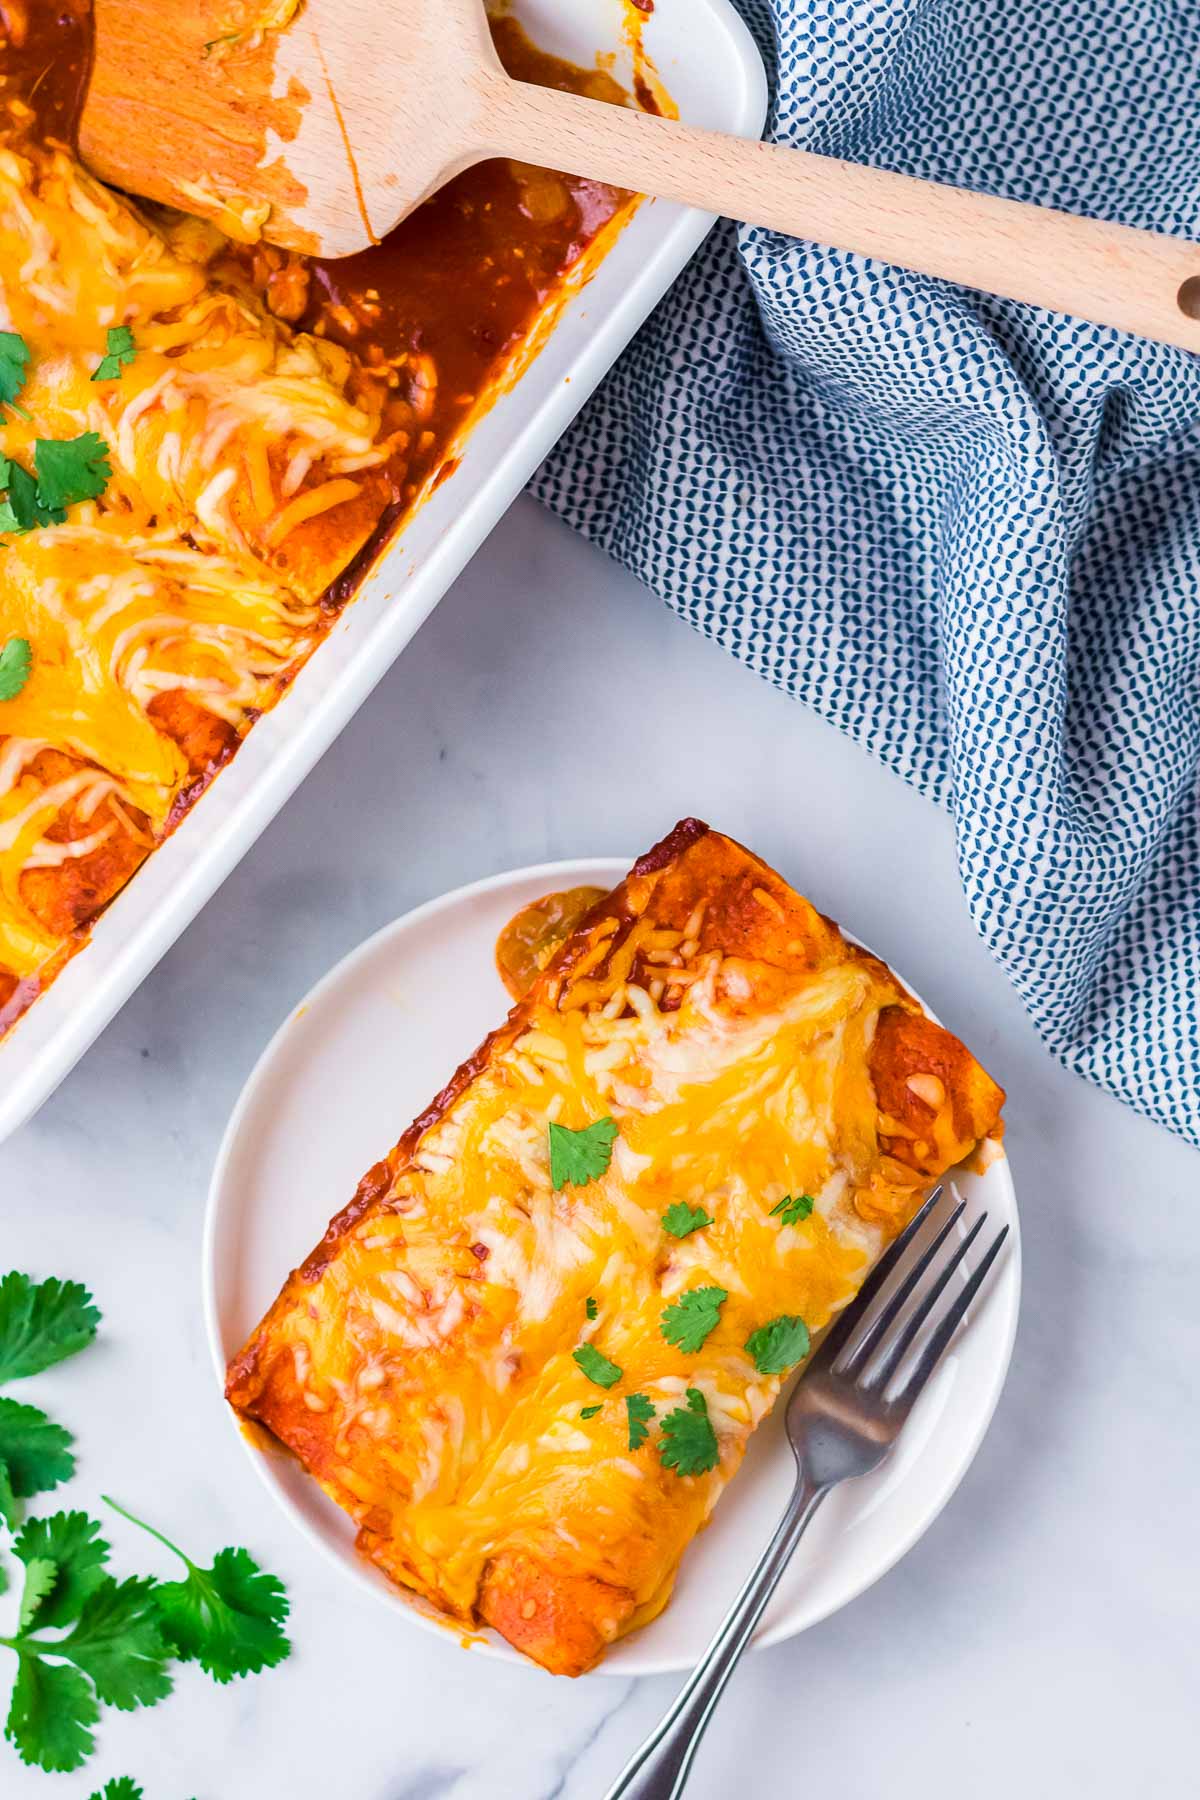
(711, 67)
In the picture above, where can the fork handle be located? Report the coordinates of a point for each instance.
(661, 1767)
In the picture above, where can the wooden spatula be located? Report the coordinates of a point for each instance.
(321, 133)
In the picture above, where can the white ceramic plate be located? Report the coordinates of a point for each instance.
(361, 1056)
(712, 69)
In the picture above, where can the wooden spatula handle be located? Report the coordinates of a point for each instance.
(1138, 281)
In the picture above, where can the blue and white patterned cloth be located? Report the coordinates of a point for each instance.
(966, 531)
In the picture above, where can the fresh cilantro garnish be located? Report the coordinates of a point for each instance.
(591, 1308)
(228, 1618)
(40, 1576)
(121, 350)
(638, 1412)
(21, 509)
(14, 359)
(589, 1412)
(779, 1345)
(41, 1323)
(72, 1542)
(16, 660)
(580, 1156)
(72, 469)
(693, 1317)
(123, 1788)
(51, 1714)
(681, 1219)
(596, 1367)
(790, 1211)
(108, 1645)
(34, 1453)
(688, 1443)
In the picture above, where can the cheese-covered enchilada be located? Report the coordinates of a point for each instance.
(529, 1354)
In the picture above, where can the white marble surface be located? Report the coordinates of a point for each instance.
(1040, 1641)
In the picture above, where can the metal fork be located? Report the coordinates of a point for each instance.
(841, 1421)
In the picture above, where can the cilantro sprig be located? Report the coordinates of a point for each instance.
(691, 1319)
(14, 360)
(35, 1455)
(638, 1413)
(779, 1345)
(596, 1366)
(680, 1219)
(68, 470)
(71, 469)
(16, 663)
(83, 1639)
(41, 1323)
(21, 508)
(688, 1444)
(791, 1209)
(120, 351)
(228, 1617)
(123, 1787)
(581, 1156)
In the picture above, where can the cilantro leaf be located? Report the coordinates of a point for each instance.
(790, 1211)
(71, 470)
(49, 1720)
(16, 660)
(72, 1542)
(10, 1512)
(35, 1452)
(40, 1576)
(688, 1443)
(121, 350)
(124, 1787)
(591, 1308)
(23, 509)
(779, 1345)
(638, 1413)
(41, 1323)
(681, 1219)
(14, 359)
(589, 1412)
(580, 1156)
(228, 1618)
(118, 1643)
(111, 1651)
(693, 1317)
(596, 1366)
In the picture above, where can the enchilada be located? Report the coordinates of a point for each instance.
(528, 1356)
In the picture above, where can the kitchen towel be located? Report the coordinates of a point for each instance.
(966, 531)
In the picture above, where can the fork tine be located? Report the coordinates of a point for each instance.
(896, 1352)
(848, 1321)
(881, 1325)
(933, 1351)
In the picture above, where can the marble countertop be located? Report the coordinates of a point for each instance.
(1040, 1640)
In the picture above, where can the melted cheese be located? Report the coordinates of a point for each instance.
(240, 488)
(436, 1346)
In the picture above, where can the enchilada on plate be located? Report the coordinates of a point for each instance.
(528, 1356)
